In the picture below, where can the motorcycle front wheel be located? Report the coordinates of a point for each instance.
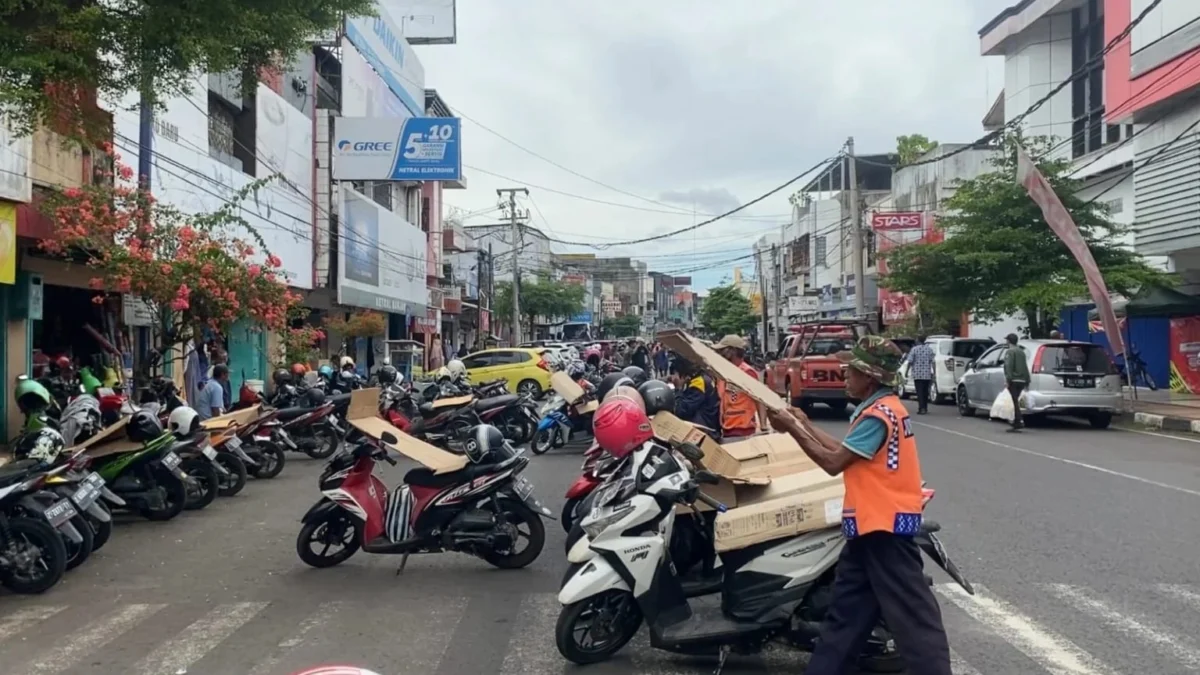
(593, 629)
(40, 555)
(336, 528)
(327, 444)
(543, 440)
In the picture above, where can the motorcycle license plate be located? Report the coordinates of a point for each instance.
(86, 495)
(523, 487)
(60, 512)
(208, 452)
(171, 460)
(95, 480)
(234, 443)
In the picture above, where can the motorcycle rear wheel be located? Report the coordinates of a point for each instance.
(77, 554)
(327, 444)
(205, 474)
(520, 514)
(52, 553)
(339, 520)
(614, 607)
(174, 498)
(271, 462)
(232, 484)
(570, 514)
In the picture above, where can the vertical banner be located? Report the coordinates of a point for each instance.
(1060, 221)
(892, 230)
(8, 243)
(1185, 355)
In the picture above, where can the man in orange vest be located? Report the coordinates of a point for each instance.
(740, 414)
(879, 573)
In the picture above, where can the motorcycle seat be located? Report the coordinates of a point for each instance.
(423, 477)
(286, 414)
(339, 399)
(496, 402)
(15, 472)
(426, 408)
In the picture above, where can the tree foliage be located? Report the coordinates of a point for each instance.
(198, 272)
(545, 297)
(911, 147)
(726, 311)
(1000, 257)
(56, 53)
(626, 325)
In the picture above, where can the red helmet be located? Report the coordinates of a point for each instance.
(299, 369)
(246, 395)
(620, 426)
(63, 363)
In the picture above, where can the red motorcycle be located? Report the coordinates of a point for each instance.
(598, 465)
(484, 509)
(260, 444)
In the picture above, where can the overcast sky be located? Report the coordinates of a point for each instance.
(682, 106)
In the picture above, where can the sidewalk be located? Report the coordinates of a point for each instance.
(1166, 410)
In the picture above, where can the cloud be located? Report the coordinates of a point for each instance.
(654, 99)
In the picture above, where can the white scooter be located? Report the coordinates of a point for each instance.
(774, 591)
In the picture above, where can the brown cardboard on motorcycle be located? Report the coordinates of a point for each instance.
(571, 392)
(789, 505)
(363, 414)
(236, 418)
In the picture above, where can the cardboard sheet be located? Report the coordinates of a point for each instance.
(235, 418)
(452, 402)
(790, 505)
(565, 387)
(112, 439)
(363, 415)
(752, 460)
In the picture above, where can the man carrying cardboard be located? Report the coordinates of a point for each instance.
(880, 571)
(740, 414)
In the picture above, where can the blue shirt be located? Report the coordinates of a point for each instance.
(212, 395)
(920, 362)
(866, 437)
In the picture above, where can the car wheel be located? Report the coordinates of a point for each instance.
(1100, 420)
(933, 393)
(964, 405)
(530, 388)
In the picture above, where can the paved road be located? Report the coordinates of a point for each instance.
(1084, 543)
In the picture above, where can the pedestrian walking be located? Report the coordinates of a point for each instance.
(920, 371)
(1016, 376)
(879, 572)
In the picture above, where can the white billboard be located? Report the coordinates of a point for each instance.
(364, 93)
(15, 183)
(381, 258)
(380, 42)
(425, 22)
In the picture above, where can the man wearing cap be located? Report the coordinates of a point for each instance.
(740, 414)
(879, 573)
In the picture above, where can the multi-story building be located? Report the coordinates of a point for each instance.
(625, 274)
(533, 256)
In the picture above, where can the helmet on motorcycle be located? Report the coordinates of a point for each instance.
(610, 382)
(63, 364)
(143, 426)
(315, 397)
(620, 426)
(326, 371)
(658, 396)
(346, 362)
(42, 445)
(387, 374)
(32, 396)
(247, 395)
(625, 391)
(456, 368)
(482, 440)
(281, 376)
(184, 421)
(299, 369)
(636, 374)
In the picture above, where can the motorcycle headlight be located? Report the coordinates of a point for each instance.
(601, 518)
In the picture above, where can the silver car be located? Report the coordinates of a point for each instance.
(1069, 378)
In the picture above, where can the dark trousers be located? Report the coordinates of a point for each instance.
(880, 575)
(922, 394)
(1014, 390)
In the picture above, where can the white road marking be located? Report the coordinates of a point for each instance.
(1064, 460)
(322, 616)
(1056, 654)
(1174, 645)
(1182, 592)
(958, 666)
(1155, 433)
(70, 648)
(193, 642)
(25, 618)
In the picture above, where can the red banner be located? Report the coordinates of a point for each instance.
(900, 220)
(1059, 220)
(1185, 355)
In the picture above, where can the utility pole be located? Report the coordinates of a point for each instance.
(856, 234)
(762, 292)
(776, 261)
(516, 266)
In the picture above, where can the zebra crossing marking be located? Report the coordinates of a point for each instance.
(70, 649)
(1181, 592)
(23, 618)
(193, 642)
(317, 618)
(1058, 655)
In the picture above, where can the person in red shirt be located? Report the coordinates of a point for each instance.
(740, 414)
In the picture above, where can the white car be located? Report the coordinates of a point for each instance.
(951, 356)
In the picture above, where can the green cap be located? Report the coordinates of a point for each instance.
(876, 357)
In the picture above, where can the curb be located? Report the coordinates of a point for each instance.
(1167, 423)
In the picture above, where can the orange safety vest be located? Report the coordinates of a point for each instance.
(883, 494)
(738, 410)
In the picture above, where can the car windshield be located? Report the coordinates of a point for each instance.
(826, 346)
(970, 349)
(1074, 358)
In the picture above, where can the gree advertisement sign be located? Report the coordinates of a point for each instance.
(413, 149)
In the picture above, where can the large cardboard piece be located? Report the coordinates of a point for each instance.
(565, 387)
(791, 504)
(363, 414)
(231, 419)
(110, 440)
(752, 460)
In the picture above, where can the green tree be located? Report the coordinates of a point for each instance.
(544, 297)
(726, 311)
(1000, 257)
(626, 325)
(57, 55)
(911, 147)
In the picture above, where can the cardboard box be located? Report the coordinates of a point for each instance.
(753, 459)
(569, 389)
(110, 440)
(363, 414)
(790, 505)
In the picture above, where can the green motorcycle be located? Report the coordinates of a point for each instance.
(149, 479)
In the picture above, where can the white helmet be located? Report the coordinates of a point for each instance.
(456, 368)
(183, 422)
(346, 361)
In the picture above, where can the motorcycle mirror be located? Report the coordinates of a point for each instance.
(691, 452)
(707, 478)
(389, 438)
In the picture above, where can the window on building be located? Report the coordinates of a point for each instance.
(871, 250)
(819, 250)
(221, 123)
(1088, 131)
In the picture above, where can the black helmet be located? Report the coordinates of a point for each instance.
(482, 442)
(282, 376)
(44, 445)
(636, 374)
(315, 397)
(143, 426)
(658, 396)
(387, 374)
(610, 382)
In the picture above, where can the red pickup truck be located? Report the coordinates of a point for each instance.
(806, 370)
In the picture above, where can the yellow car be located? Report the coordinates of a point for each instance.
(524, 369)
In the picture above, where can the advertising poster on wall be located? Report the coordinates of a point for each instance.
(381, 42)
(15, 184)
(364, 93)
(895, 307)
(1185, 355)
(381, 258)
(413, 149)
(424, 22)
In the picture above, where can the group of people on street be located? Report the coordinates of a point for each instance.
(1016, 374)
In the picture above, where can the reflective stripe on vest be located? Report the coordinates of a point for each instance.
(884, 493)
(738, 410)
